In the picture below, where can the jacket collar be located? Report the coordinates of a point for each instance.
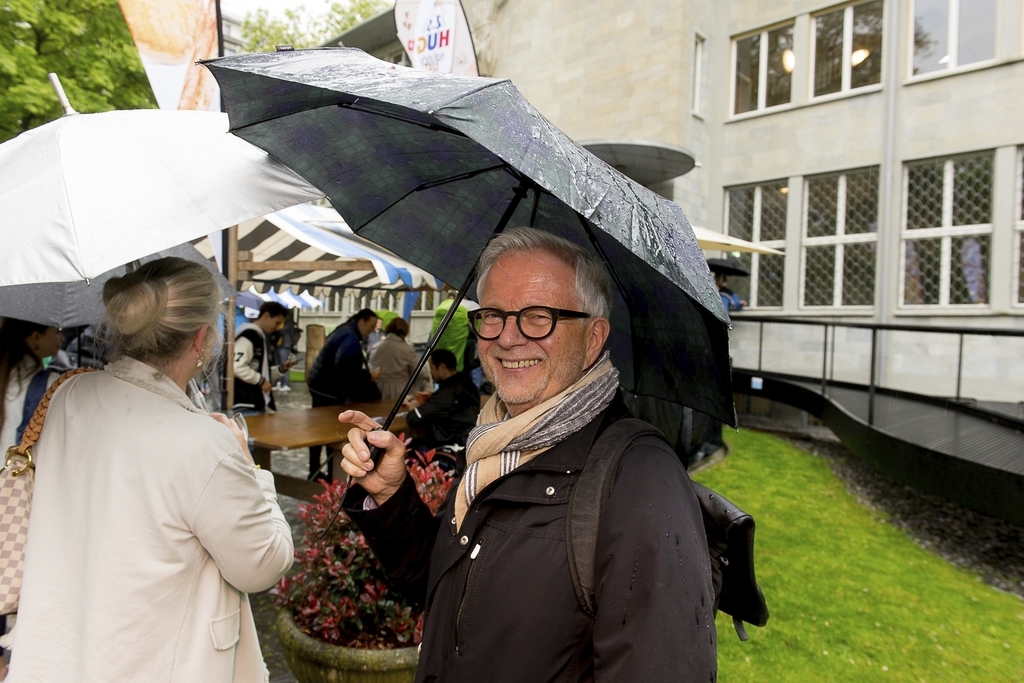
(152, 380)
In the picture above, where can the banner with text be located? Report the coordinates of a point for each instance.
(171, 35)
(435, 35)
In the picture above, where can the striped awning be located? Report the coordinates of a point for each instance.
(282, 251)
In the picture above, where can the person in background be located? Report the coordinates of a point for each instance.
(456, 336)
(396, 359)
(339, 373)
(254, 375)
(23, 381)
(446, 418)
(24, 346)
(150, 523)
(730, 299)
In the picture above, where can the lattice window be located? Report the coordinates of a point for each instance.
(757, 213)
(763, 69)
(947, 231)
(840, 239)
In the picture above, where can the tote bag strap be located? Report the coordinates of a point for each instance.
(35, 425)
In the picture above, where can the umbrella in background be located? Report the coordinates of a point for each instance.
(430, 166)
(88, 192)
(711, 240)
(75, 304)
(728, 266)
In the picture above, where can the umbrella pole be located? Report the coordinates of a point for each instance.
(519, 194)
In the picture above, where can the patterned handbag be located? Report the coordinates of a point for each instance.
(16, 483)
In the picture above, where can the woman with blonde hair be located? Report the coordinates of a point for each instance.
(149, 522)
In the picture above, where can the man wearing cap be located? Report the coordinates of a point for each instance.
(492, 567)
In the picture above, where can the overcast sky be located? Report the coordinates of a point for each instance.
(239, 8)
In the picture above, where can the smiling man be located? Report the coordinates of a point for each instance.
(492, 567)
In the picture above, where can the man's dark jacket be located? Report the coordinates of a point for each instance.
(499, 596)
(449, 414)
(339, 373)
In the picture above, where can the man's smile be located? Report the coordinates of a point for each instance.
(516, 364)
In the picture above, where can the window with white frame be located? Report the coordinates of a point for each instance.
(757, 213)
(947, 231)
(763, 69)
(953, 33)
(698, 73)
(840, 239)
(847, 48)
(1020, 227)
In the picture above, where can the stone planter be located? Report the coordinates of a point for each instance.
(313, 661)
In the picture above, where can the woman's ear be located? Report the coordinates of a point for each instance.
(199, 341)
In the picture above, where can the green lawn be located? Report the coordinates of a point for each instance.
(852, 598)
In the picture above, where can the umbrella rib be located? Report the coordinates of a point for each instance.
(377, 112)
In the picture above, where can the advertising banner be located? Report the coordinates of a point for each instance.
(171, 35)
(435, 35)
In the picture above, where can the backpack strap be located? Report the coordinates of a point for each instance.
(587, 500)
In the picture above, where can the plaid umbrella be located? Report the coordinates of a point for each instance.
(430, 166)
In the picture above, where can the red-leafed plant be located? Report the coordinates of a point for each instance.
(339, 593)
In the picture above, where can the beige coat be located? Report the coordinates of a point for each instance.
(396, 360)
(148, 528)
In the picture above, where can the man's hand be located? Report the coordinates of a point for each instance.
(265, 387)
(287, 365)
(375, 374)
(381, 481)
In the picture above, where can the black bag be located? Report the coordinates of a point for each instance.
(730, 531)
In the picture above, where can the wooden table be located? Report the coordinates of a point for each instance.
(290, 429)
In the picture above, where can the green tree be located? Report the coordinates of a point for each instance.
(85, 42)
(299, 29)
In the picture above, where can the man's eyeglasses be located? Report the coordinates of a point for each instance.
(534, 322)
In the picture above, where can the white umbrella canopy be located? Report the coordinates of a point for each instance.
(709, 239)
(89, 192)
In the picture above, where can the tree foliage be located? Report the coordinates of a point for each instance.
(299, 29)
(85, 42)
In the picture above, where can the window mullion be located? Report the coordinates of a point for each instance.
(944, 270)
(947, 194)
(952, 34)
(847, 47)
(762, 72)
(837, 275)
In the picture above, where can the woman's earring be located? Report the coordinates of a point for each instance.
(199, 361)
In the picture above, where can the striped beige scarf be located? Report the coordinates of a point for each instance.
(500, 443)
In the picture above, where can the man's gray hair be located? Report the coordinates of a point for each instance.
(593, 286)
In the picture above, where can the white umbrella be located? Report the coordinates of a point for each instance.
(89, 192)
(709, 239)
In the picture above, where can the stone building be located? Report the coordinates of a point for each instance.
(877, 142)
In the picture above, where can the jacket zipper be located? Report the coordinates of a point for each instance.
(465, 592)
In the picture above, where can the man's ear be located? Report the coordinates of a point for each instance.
(600, 328)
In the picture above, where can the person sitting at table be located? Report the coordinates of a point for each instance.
(339, 373)
(446, 418)
(396, 360)
(150, 523)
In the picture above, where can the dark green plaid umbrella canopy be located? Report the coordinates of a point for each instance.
(428, 165)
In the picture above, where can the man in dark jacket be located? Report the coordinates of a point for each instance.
(446, 418)
(492, 568)
(339, 373)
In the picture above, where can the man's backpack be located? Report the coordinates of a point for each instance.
(730, 531)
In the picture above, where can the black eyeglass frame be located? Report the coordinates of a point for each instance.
(556, 313)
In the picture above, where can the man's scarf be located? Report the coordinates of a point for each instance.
(500, 443)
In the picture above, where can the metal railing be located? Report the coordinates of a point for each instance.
(828, 357)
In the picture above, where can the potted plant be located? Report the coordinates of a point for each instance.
(339, 620)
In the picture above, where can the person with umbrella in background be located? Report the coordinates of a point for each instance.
(542, 328)
(723, 267)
